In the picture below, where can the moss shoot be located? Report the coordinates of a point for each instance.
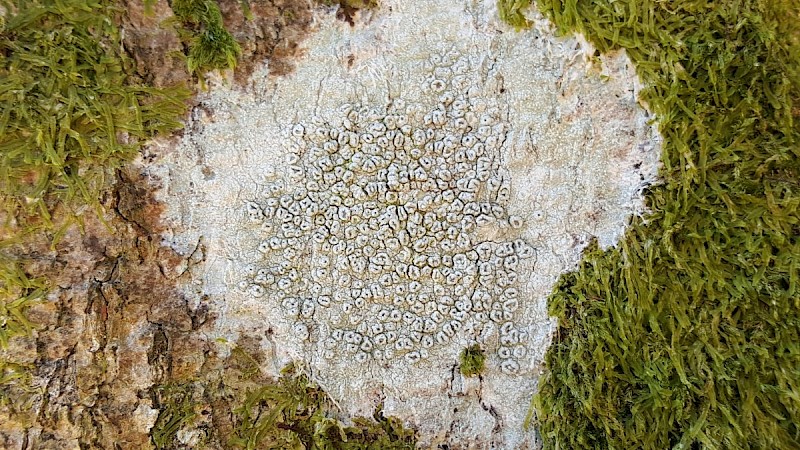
(472, 360)
(18, 292)
(512, 12)
(686, 335)
(211, 46)
(177, 410)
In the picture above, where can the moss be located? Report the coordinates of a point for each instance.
(296, 413)
(685, 335)
(246, 10)
(512, 12)
(18, 292)
(67, 115)
(249, 411)
(149, 6)
(68, 119)
(210, 45)
(176, 410)
(472, 360)
(351, 4)
(247, 366)
(15, 385)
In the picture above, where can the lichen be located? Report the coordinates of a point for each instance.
(293, 161)
(376, 231)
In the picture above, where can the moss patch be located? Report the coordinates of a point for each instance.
(211, 46)
(296, 413)
(251, 412)
(472, 360)
(68, 119)
(512, 12)
(18, 291)
(176, 411)
(15, 385)
(686, 335)
(67, 115)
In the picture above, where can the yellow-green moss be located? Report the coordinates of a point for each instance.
(686, 335)
(472, 360)
(67, 114)
(211, 46)
(291, 412)
(296, 413)
(18, 291)
(68, 118)
(176, 410)
(513, 13)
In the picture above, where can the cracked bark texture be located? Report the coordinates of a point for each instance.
(113, 326)
(271, 30)
(115, 340)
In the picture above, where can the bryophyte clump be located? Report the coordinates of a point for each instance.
(472, 360)
(389, 236)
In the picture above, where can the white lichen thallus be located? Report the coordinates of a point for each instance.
(375, 237)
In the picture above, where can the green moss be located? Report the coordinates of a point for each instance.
(296, 413)
(149, 6)
(211, 46)
(686, 335)
(68, 119)
(472, 360)
(17, 293)
(67, 115)
(246, 10)
(16, 390)
(254, 413)
(247, 366)
(512, 12)
(176, 410)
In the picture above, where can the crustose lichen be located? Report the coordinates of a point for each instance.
(377, 240)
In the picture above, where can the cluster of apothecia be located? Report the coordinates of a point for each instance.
(372, 241)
